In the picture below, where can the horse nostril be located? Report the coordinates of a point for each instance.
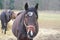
(31, 28)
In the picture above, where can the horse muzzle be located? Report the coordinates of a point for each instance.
(30, 31)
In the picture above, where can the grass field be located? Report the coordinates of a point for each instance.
(49, 27)
(49, 19)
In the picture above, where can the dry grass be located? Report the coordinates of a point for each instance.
(49, 27)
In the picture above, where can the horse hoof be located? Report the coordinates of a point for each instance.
(4, 32)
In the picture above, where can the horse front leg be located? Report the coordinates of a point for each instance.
(18, 36)
(18, 39)
(5, 24)
(30, 39)
(5, 31)
(4, 27)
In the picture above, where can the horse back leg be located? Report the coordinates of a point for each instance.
(4, 28)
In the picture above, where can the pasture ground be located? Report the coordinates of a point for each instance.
(49, 27)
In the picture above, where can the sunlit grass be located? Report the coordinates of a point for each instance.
(49, 19)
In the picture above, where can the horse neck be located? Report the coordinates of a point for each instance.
(21, 23)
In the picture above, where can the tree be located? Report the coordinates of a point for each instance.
(11, 4)
(1, 5)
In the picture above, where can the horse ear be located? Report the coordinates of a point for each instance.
(26, 6)
(36, 7)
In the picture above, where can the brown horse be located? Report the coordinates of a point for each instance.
(25, 26)
(6, 16)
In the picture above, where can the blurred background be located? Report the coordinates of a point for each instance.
(19, 4)
(49, 18)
